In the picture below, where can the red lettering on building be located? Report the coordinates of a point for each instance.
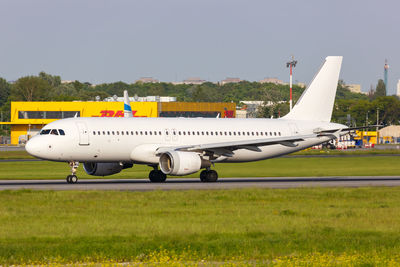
(228, 113)
(115, 114)
(119, 113)
(107, 113)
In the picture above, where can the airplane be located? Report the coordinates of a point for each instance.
(182, 146)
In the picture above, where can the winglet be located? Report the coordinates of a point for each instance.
(127, 106)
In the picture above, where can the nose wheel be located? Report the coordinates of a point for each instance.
(72, 178)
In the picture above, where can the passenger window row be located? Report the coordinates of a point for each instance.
(222, 133)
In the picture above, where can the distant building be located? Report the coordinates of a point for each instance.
(151, 98)
(241, 113)
(398, 89)
(176, 83)
(271, 80)
(194, 80)
(355, 88)
(66, 81)
(390, 134)
(300, 84)
(147, 80)
(230, 80)
(253, 107)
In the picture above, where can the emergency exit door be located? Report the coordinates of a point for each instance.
(83, 134)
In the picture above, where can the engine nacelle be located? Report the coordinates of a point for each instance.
(104, 169)
(181, 162)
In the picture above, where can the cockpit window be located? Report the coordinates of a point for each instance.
(47, 131)
(52, 131)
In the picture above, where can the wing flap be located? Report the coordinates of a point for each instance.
(227, 148)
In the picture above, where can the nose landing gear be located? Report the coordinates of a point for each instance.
(72, 178)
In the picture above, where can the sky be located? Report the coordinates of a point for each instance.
(119, 40)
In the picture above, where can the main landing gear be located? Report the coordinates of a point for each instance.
(157, 176)
(208, 176)
(72, 178)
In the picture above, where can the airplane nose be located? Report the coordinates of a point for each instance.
(33, 147)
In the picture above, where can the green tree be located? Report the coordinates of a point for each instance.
(380, 89)
(389, 109)
(30, 88)
(54, 81)
(5, 89)
(64, 92)
(157, 90)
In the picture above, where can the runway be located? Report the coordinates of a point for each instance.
(195, 184)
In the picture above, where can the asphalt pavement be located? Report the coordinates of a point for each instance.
(195, 184)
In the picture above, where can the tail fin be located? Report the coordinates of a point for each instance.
(316, 102)
(127, 106)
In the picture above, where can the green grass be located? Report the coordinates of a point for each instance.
(348, 152)
(22, 154)
(279, 167)
(19, 154)
(216, 225)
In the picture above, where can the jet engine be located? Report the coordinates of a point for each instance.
(104, 169)
(182, 163)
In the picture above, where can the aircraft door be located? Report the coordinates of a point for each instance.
(83, 134)
(293, 129)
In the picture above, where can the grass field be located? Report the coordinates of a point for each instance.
(22, 154)
(19, 154)
(308, 227)
(279, 167)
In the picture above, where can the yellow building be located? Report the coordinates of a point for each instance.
(365, 137)
(197, 109)
(27, 118)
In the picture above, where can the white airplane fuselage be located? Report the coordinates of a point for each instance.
(137, 139)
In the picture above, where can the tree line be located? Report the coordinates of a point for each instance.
(350, 108)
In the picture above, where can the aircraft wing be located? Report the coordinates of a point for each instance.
(342, 131)
(227, 148)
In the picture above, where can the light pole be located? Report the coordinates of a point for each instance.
(377, 128)
(291, 64)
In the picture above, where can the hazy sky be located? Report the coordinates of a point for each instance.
(106, 41)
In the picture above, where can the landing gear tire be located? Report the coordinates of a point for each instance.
(72, 179)
(157, 176)
(203, 175)
(208, 176)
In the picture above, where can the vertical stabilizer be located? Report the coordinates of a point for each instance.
(127, 106)
(316, 102)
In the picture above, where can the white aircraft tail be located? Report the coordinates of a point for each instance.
(127, 106)
(316, 102)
